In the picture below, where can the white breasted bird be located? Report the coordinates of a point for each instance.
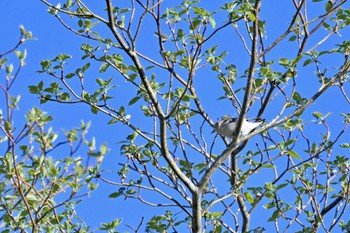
(226, 127)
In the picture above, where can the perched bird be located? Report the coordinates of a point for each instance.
(226, 127)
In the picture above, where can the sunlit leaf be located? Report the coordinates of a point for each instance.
(248, 196)
(104, 67)
(293, 154)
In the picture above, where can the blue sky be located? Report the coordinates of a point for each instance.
(53, 39)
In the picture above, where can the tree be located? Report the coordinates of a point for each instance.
(172, 55)
(38, 191)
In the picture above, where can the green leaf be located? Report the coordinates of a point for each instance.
(281, 186)
(7, 218)
(34, 89)
(121, 111)
(64, 96)
(218, 228)
(103, 149)
(195, 23)
(21, 55)
(45, 64)
(114, 195)
(8, 126)
(249, 197)
(9, 69)
(251, 16)
(85, 67)
(200, 11)
(131, 191)
(63, 57)
(114, 120)
(318, 115)
(147, 112)
(80, 23)
(52, 11)
(345, 145)
(45, 98)
(70, 75)
(307, 62)
(134, 100)
(180, 52)
(212, 21)
(216, 214)
(200, 166)
(100, 81)
(2, 62)
(290, 141)
(269, 186)
(297, 97)
(104, 67)
(274, 216)
(185, 164)
(93, 186)
(132, 77)
(269, 205)
(284, 62)
(329, 6)
(327, 27)
(53, 171)
(131, 137)
(94, 110)
(293, 38)
(293, 154)
(266, 165)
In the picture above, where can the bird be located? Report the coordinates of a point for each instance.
(226, 127)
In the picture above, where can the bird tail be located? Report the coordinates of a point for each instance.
(259, 120)
(256, 119)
